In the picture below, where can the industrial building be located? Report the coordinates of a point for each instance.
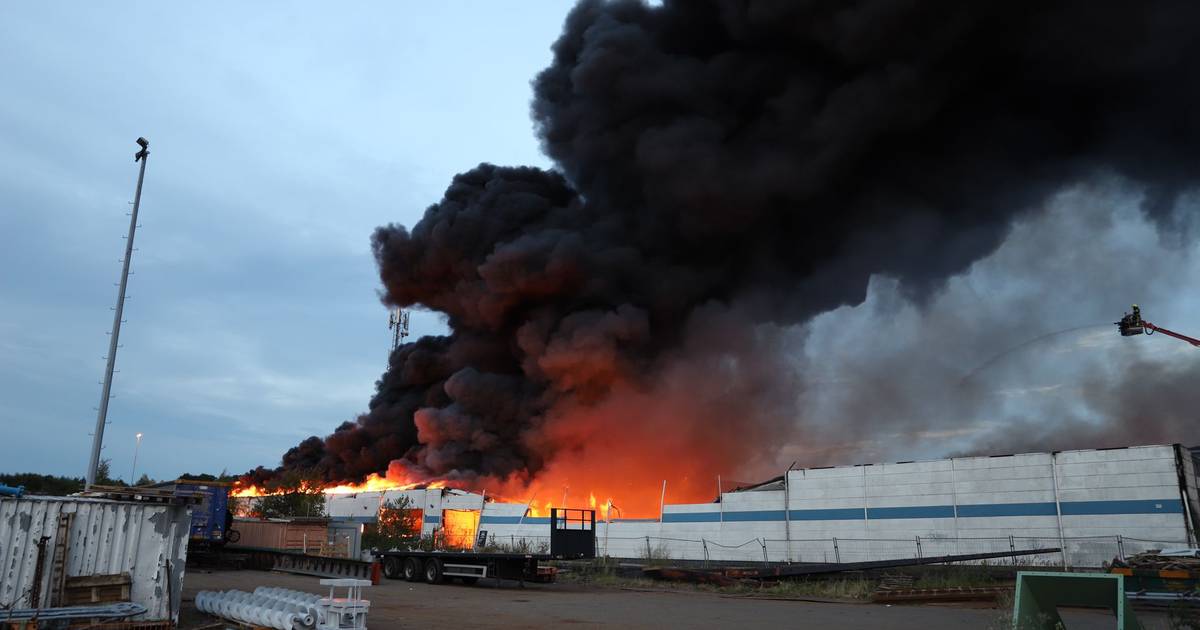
(1095, 504)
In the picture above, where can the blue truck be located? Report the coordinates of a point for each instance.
(211, 518)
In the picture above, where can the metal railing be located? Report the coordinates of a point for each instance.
(1082, 551)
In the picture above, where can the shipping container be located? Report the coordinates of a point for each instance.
(66, 550)
(306, 535)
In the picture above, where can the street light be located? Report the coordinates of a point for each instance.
(132, 471)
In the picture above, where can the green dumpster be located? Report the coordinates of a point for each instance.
(1040, 593)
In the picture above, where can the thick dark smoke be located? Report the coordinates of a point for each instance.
(725, 167)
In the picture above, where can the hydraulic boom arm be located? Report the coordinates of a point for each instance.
(1171, 333)
(1133, 324)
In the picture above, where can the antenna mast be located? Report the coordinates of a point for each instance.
(398, 322)
(106, 392)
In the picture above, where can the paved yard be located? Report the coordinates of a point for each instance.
(399, 604)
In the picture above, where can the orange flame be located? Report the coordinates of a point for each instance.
(373, 483)
(458, 528)
(645, 502)
(627, 448)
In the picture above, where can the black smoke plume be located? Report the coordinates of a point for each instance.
(725, 167)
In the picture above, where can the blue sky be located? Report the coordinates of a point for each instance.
(281, 135)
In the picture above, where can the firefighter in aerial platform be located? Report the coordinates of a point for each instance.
(1131, 323)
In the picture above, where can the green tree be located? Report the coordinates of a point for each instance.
(144, 480)
(224, 476)
(295, 494)
(102, 471)
(398, 525)
(291, 505)
(50, 485)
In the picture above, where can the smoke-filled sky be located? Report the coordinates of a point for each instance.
(727, 171)
(776, 232)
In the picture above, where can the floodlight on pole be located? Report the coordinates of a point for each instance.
(133, 471)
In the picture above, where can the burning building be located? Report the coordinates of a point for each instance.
(1095, 504)
(724, 172)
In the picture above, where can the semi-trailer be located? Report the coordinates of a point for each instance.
(572, 536)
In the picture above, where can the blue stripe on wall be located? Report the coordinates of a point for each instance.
(514, 520)
(983, 510)
(1148, 506)
(828, 514)
(915, 511)
(834, 514)
(1006, 509)
(752, 515)
(691, 517)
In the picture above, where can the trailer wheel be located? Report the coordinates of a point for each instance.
(391, 567)
(412, 569)
(433, 571)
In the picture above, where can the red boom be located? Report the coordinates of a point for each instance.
(1194, 342)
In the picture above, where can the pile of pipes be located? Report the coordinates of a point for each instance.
(280, 608)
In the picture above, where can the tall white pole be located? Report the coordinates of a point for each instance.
(720, 500)
(787, 514)
(133, 471)
(106, 392)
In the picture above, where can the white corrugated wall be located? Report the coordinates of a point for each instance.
(105, 537)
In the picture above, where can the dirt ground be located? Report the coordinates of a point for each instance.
(400, 604)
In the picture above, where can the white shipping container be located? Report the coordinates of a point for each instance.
(147, 541)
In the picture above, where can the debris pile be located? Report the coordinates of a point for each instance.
(1161, 560)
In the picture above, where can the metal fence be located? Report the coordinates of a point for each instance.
(1088, 551)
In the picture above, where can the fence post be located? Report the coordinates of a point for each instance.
(649, 554)
(1012, 547)
(1121, 548)
(763, 542)
(704, 543)
(918, 547)
(837, 556)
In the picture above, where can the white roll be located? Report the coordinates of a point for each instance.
(271, 607)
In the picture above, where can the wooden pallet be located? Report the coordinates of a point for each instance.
(97, 589)
(141, 495)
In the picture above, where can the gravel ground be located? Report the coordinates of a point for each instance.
(399, 604)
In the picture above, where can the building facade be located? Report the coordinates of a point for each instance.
(1095, 504)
